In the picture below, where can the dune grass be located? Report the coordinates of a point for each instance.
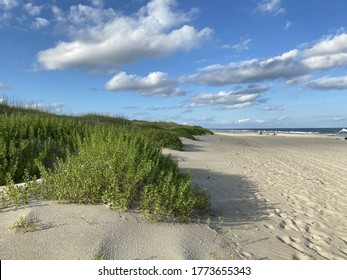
(97, 159)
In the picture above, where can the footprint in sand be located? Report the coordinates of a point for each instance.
(268, 226)
(324, 253)
(290, 241)
(301, 256)
(283, 225)
(343, 250)
(288, 224)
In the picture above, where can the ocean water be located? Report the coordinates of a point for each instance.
(327, 131)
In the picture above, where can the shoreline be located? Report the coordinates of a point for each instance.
(273, 197)
(278, 133)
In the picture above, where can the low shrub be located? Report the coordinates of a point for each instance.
(123, 172)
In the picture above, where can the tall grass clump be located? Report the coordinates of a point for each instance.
(123, 172)
(27, 139)
(160, 137)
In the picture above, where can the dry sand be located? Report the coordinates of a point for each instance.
(273, 197)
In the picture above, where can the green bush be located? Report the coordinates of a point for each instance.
(161, 138)
(122, 172)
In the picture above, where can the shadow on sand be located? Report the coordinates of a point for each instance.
(192, 148)
(235, 201)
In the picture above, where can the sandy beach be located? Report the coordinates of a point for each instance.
(273, 197)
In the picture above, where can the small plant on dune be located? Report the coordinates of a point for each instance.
(231, 256)
(16, 195)
(24, 225)
(12, 191)
(4, 200)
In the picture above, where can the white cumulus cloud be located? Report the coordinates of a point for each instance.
(294, 66)
(229, 99)
(330, 52)
(156, 83)
(249, 71)
(156, 30)
(329, 83)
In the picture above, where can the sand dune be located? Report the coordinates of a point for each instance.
(273, 197)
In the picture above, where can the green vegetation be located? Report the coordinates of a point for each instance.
(96, 159)
(24, 225)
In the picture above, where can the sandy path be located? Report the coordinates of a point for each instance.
(278, 197)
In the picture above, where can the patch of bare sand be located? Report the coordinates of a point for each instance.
(70, 231)
(278, 197)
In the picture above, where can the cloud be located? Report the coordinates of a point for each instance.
(329, 83)
(272, 7)
(243, 44)
(58, 14)
(32, 10)
(288, 24)
(82, 16)
(98, 3)
(162, 12)
(241, 121)
(54, 108)
(33, 21)
(328, 53)
(156, 83)
(298, 80)
(4, 86)
(229, 99)
(274, 108)
(179, 106)
(39, 22)
(248, 121)
(113, 40)
(285, 66)
(8, 4)
(5, 11)
(330, 44)
(293, 66)
(131, 107)
(5, 16)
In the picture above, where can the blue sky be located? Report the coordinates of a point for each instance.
(219, 64)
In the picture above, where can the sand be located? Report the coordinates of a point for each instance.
(273, 197)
